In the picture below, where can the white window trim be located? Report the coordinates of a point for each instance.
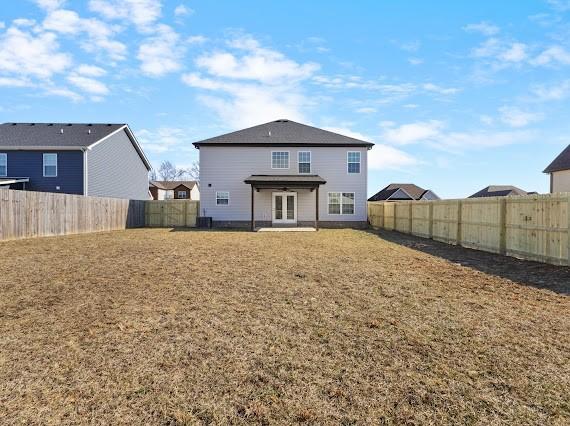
(288, 161)
(359, 162)
(5, 156)
(44, 164)
(223, 205)
(340, 211)
(310, 163)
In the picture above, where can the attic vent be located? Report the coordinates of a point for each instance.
(281, 121)
(69, 124)
(32, 124)
(108, 125)
(89, 125)
(14, 124)
(50, 124)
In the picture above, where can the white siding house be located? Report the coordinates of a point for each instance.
(277, 170)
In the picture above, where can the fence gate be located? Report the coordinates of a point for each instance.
(171, 213)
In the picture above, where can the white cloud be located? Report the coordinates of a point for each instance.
(91, 71)
(22, 22)
(415, 61)
(383, 157)
(430, 87)
(27, 54)
(553, 92)
(553, 54)
(487, 120)
(164, 139)
(50, 4)
(142, 13)
(15, 82)
(257, 63)
(99, 34)
(181, 10)
(433, 133)
(515, 53)
(559, 5)
(251, 83)
(515, 117)
(413, 132)
(161, 53)
(89, 85)
(63, 92)
(484, 28)
(196, 39)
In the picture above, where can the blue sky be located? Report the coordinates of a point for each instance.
(456, 95)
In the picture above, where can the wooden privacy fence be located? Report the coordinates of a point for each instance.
(534, 227)
(171, 213)
(27, 214)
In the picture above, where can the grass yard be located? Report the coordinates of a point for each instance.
(335, 327)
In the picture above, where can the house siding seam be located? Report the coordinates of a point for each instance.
(29, 164)
(224, 168)
(115, 169)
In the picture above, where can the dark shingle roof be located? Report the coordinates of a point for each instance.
(23, 135)
(169, 185)
(562, 162)
(313, 179)
(499, 191)
(283, 133)
(414, 191)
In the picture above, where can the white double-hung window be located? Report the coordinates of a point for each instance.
(304, 160)
(3, 164)
(280, 159)
(353, 161)
(222, 198)
(341, 202)
(50, 165)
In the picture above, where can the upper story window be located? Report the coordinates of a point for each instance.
(304, 160)
(182, 194)
(3, 164)
(353, 161)
(280, 159)
(50, 165)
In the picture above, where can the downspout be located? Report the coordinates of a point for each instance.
(85, 186)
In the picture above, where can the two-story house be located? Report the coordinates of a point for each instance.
(174, 190)
(283, 173)
(103, 160)
(559, 171)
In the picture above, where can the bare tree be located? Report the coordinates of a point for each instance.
(194, 172)
(169, 172)
(152, 175)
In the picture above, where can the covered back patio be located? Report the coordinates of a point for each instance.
(284, 201)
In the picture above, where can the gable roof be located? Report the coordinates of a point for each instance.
(168, 185)
(62, 136)
(283, 133)
(562, 162)
(394, 191)
(499, 191)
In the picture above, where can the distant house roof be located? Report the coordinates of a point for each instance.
(562, 162)
(283, 133)
(499, 191)
(172, 184)
(28, 136)
(402, 191)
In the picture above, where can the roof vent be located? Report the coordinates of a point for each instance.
(50, 124)
(281, 121)
(89, 125)
(61, 131)
(269, 133)
(69, 124)
(32, 124)
(88, 131)
(14, 124)
(109, 125)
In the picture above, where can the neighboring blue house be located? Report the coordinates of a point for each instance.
(103, 160)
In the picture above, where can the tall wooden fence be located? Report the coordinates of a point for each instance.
(534, 227)
(171, 213)
(26, 214)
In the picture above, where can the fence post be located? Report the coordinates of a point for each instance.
(503, 226)
(430, 219)
(410, 217)
(459, 219)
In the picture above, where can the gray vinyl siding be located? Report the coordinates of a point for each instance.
(224, 168)
(115, 169)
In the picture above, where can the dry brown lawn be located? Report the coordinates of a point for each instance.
(335, 327)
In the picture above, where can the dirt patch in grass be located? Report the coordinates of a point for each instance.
(338, 327)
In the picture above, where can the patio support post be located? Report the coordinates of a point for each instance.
(252, 207)
(317, 209)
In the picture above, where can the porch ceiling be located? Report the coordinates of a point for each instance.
(281, 181)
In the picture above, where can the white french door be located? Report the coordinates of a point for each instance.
(284, 207)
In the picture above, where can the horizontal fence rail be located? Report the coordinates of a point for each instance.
(534, 227)
(27, 214)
